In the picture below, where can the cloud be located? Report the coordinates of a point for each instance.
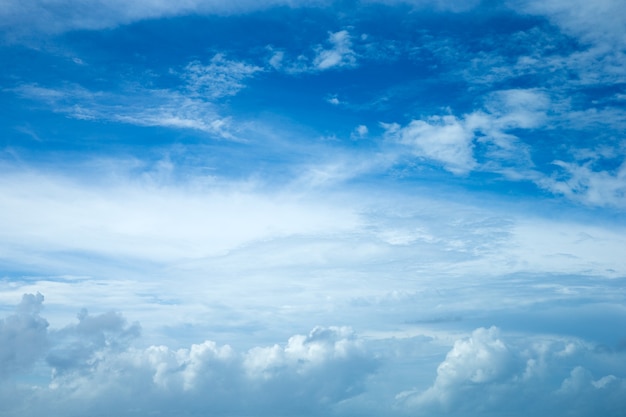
(191, 105)
(23, 336)
(95, 366)
(600, 22)
(451, 141)
(21, 19)
(149, 217)
(444, 5)
(142, 107)
(443, 139)
(359, 132)
(486, 374)
(81, 346)
(581, 182)
(479, 360)
(221, 77)
(340, 55)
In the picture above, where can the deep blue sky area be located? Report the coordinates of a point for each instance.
(313, 208)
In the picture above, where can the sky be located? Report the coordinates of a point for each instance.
(255, 208)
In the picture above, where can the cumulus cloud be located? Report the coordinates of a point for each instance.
(80, 346)
(485, 374)
(95, 365)
(23, 336)
(481, 359)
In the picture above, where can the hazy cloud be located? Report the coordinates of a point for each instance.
(23, 336)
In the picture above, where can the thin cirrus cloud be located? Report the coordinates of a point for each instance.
(189, 107)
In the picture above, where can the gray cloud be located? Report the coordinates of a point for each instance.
(95, 367)
(23, 336)
(78, 346)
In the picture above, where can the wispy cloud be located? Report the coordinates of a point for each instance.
(220, 77)
(21, 19)
(339, 55)
(143, 107)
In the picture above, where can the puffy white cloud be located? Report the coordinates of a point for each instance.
(486, 374)
(481, 359)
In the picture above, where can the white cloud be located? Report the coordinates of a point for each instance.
(221, 77)
(340, 55)
(485, 374)
(142, 107)
(23, 19)
(188, 107)
(481, 359)
(443, 139)
(93, 368)
(114, 220)
(599, 22)
(334, 100)
(580, 182)
(450, 140)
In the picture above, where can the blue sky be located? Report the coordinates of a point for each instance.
(313, 208)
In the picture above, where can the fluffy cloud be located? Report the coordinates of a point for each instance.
(443, 139)
(23, 336)
(486, 374)
(479, 360)
(81, 346)
(451, 141)
(95, 366)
